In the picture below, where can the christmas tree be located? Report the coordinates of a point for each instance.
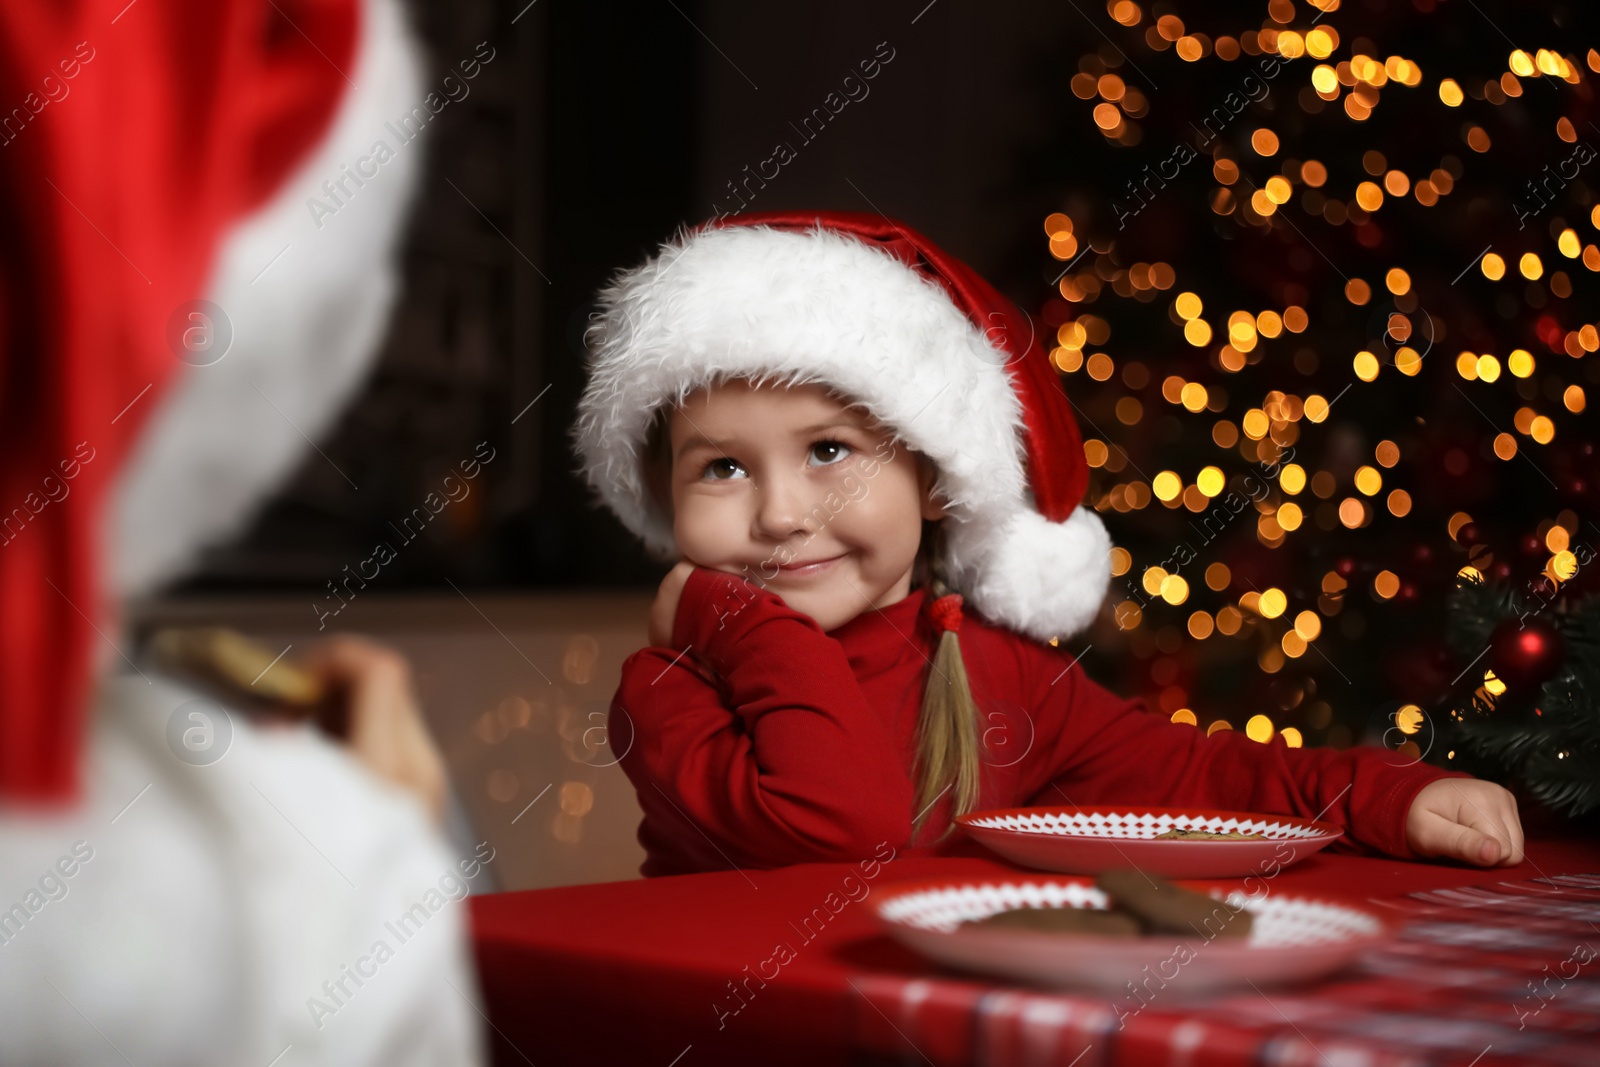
(1322, 280)
(1535, 717)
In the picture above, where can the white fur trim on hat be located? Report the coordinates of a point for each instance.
(786, 307)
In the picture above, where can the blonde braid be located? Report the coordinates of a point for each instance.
(947, 731)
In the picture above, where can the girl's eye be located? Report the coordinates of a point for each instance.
(722, 469)
(827, 453)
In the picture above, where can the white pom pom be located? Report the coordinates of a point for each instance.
(1041, 578)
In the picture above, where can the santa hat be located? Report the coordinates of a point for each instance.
(124, 188)
(875, 310)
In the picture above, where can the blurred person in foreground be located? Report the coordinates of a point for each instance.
(282, 896)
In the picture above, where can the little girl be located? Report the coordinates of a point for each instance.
(835, 426)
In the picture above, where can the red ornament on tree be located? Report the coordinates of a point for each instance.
(1525, 654)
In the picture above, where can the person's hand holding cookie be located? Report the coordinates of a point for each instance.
(379, 717)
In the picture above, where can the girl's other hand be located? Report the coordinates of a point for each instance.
(664, 612)
(1466, 819)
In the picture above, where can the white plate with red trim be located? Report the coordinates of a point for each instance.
(1293, 938)
(1088, 840)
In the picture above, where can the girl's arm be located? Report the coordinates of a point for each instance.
(1105, 749)
(785, 764)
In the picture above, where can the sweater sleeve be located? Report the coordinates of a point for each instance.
(773, 757)
(1104, 749)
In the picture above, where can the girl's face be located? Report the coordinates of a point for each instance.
(798, 493)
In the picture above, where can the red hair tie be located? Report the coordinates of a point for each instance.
(946, 612)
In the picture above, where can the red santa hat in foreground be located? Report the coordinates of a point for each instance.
(875, 310)
(123, 168)
(170, 156)
(137, 188)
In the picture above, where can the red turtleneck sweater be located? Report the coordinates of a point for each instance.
(799, 745)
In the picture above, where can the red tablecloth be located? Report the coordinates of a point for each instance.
(663, 972)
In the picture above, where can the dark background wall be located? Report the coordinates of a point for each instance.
(599, 129)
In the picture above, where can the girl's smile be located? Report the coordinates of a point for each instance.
(808, 567)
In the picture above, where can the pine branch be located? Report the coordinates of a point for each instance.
(1548, 740)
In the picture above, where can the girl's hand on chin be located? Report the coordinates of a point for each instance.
(665, 610)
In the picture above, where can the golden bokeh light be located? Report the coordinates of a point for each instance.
(1152, 579)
